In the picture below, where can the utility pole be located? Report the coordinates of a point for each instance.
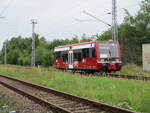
(114, 20)
(5, 48)
(5, 56)
(33, 22)
(5, 51)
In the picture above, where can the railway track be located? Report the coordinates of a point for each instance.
(131, 77)
(113, 75)
(58, 101)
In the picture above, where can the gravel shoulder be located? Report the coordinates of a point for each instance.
(22, 104)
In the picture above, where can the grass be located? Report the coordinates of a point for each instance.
(5, 101)
(129, 94)
(132, 69)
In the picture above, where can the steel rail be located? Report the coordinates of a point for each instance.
(100, 105)
(131, 77)
(113, 75)
(36, 99)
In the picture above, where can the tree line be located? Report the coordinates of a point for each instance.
(133, 32)
(19, 49)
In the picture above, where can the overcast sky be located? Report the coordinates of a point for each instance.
(56, 18)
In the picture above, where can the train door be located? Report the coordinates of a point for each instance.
(70, 59)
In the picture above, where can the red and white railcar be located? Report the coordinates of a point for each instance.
(89, 56)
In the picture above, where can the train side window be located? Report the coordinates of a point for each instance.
(57, 55)
(93, 53)
(77, 56)
(65, 57)
(85, 52)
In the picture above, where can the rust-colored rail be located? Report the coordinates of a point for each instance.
(131, 77)
(57, 100)
(112, 75)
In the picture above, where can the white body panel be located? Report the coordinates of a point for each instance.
(82, 46)
(70, 59)
(74, 47)
(61, 49)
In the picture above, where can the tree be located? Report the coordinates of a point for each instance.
(107, 35)
(134, 31)
(84, 38)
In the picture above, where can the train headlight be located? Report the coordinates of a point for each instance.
(118, 61)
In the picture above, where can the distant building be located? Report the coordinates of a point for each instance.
(146, 56)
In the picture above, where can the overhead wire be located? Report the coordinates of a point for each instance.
(130, 6)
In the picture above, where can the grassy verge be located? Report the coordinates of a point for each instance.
(125, 93)
(132, 69)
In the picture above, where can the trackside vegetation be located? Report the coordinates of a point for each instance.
(128, 94)
(5, 101)
(133, 32)
(133, 69)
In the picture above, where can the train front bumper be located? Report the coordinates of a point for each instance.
(112, 66)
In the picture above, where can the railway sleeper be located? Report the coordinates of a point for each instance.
(82, 109)
(66, 104)
(56, 98)
(75, 108)
(90, 111)
(59, 101)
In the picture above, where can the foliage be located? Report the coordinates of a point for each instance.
(132, 69)
(4, 100)
(137, 31)
(19, 49)
(105, 36)
(133, 32)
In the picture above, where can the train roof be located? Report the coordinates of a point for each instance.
(78, 46)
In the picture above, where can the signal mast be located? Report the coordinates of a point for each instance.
(114, 20)
(114, 27)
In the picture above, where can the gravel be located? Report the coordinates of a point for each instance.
(60, 101)
(21, 103)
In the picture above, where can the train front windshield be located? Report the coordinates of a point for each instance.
(108, 50)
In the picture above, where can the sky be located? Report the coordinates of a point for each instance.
(57, 19)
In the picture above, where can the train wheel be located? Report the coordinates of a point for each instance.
(73, 71)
